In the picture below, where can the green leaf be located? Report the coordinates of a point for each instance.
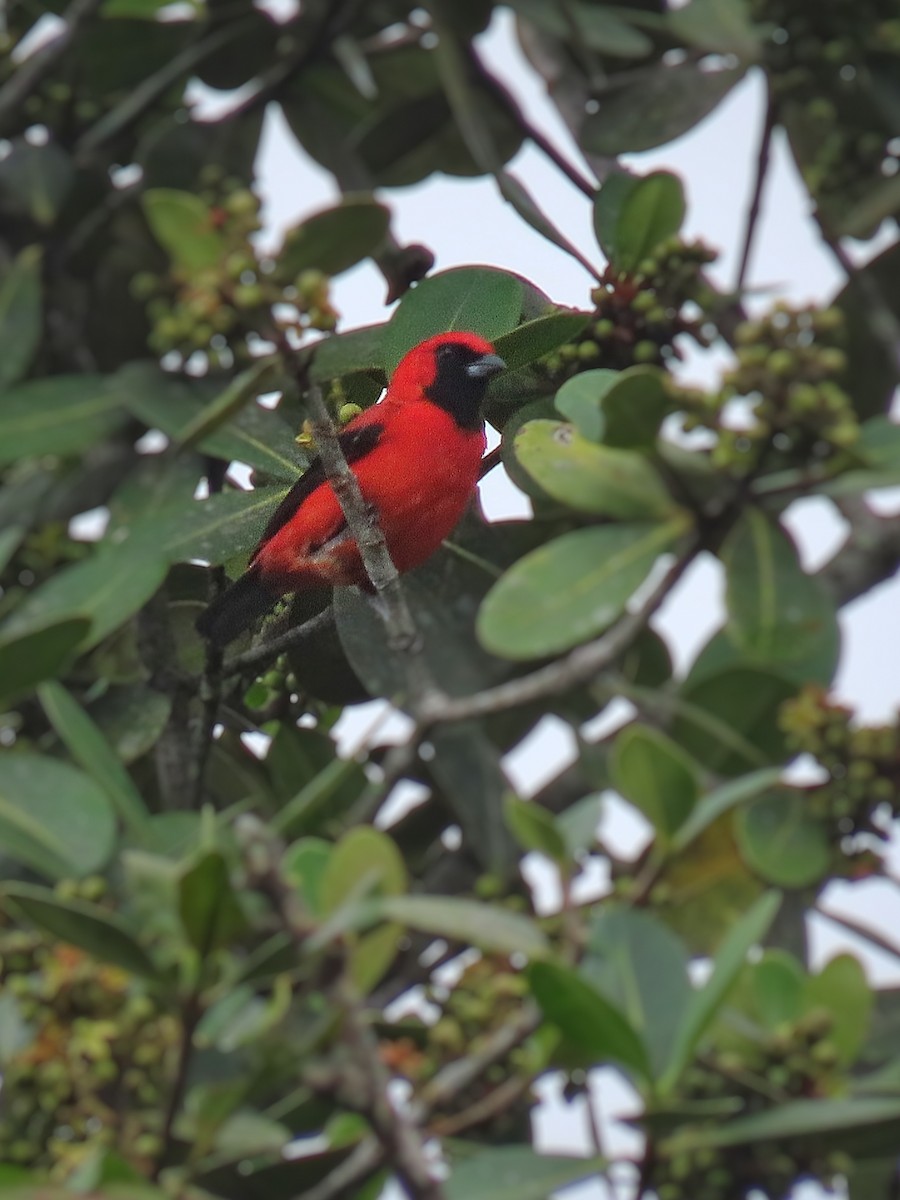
(777, 614)
(720, 26)
(570, 589)
(21, 315)
(656, 775)
(53, 818)
(217, 530)
(309, 806)
(481, 300)
(777, 981)
(619, 408)
(256, 436)
(534, 828)
(722, 800)
(348, 353)
(90, 749)
(362, 851)
(599, 27)
(587, 1019)
(606, 482)
(333, 240)
(240, 391)
(728, 720)
(706, 1001)
(781, 841)
(869, 365)
(641, 967)
(303, 864)
(836, 1120)
(103, 935)
(28, 658)
(646, 214)
(107, 588)
(483, 925)
(533, 339)
(654, 106)
(35, 181)
(609, 203)
(62, 414)
(516, 1173)
(207, 904)
(841, 987)
(183, 225)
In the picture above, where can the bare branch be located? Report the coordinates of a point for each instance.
(580, 665)
(31, 74)
(870, 554)
(759, 183)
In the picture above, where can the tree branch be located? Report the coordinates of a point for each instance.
(869, 556)
(31, 74)
(759, 183)
(266, 651)
(579, 666)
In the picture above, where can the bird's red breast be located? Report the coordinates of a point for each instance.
(416, 456)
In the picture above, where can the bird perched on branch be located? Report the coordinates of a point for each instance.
(416, 455)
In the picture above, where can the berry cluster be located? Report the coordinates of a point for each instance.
(213, 311)
(820, 60)
(863, 763)
(794, 1062)
(790, 367)
(638, 315)
(95, 1059)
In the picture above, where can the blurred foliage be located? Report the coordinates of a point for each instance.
(202, 930)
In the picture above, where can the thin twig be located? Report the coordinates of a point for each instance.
(259, 656)
(189, 1021)
(579, 666)
(759, 183)
(34, 70)
(861, 931)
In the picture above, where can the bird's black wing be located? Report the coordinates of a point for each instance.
(355, 443)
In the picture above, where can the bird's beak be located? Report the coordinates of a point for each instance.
(486, 366)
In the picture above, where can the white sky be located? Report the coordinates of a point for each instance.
(465, 221)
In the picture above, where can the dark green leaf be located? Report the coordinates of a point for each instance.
(600, 27)
(467, 921)
(35, 181)
(728, 719)
(92, 752)
(722, 800)
(601, 480)
(619, 408)
(107, 588)
(721, 26)
(534, 828)
(237, 395)
(655, 106)
(838, 1120)
(641, 967)
(478, 299)
(21, 315)
(333, 240)
(570, 589)
(587, 1019)
(781, 841)
(28, 658)
(516, 1173)
(538, 337)
(871, 372)
(216, 530)
(706, 1001)
(63, 414)
(649, 214)
(777, 614)
(256, 436)
(53, 818)
(103, 935)
(777, 981)
(183, 225)
(656, 775)
(348, 353)
(208, 906)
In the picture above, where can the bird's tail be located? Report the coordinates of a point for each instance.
(236, 609)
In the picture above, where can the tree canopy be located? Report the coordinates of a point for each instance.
(230, 970)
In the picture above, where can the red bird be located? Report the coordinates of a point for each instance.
(416, 455)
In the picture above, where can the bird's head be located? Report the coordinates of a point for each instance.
(452, 370)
